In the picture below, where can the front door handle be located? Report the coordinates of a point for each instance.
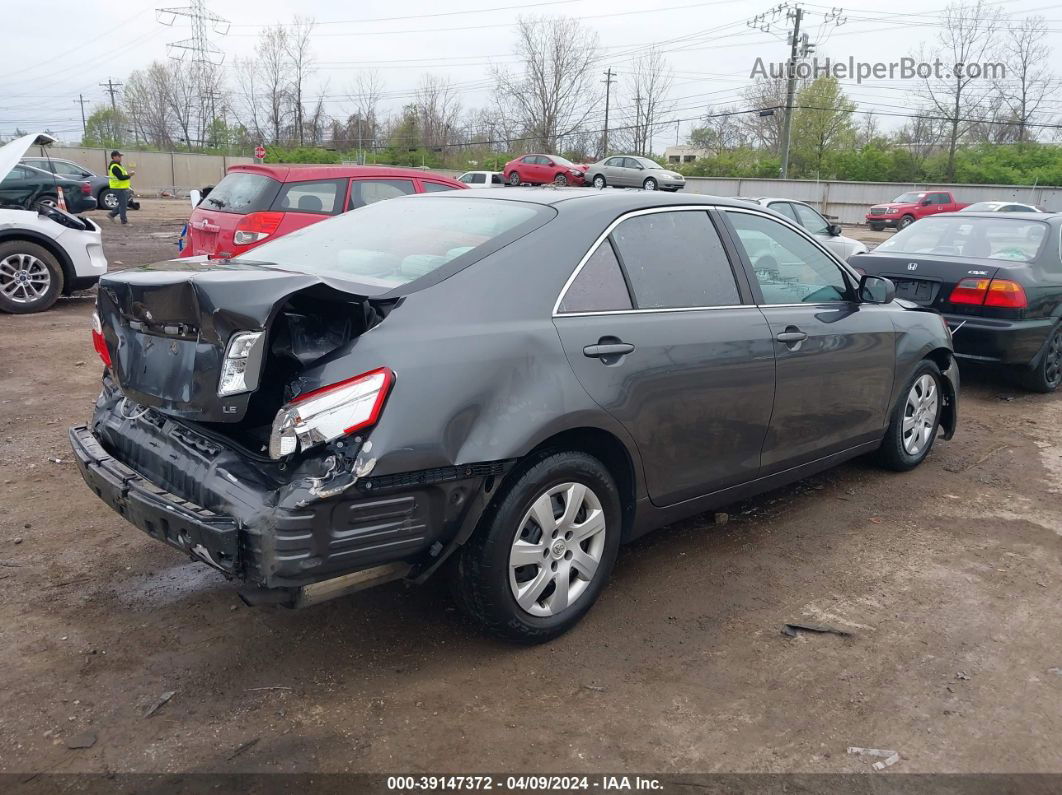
(607, 350)
(791, 336)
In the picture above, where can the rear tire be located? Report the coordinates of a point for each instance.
(31, 278)
(915, 420)
(599, 181)
(108, 200)
(1047, 375)
(542, 554)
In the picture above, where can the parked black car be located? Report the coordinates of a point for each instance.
(25, 185)
(100, 185)
(513, 384)
(996, 277)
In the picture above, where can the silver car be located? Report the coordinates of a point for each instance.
(809, 218)
(628, 171)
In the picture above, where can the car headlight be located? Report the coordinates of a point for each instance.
(330, 412)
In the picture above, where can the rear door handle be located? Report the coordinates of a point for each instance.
(602, 351)
(791, 336)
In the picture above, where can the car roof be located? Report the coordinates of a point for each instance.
(1017, 215)
(301, 173)
(622, 199)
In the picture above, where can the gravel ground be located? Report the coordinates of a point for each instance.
(948, 578)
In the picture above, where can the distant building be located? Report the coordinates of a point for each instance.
(684, 154)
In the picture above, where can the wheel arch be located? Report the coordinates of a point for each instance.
(50, 246)
(944, 359)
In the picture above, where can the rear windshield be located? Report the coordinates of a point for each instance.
(1008, 239)
(391, 243)
(907, 198)
(242, 193)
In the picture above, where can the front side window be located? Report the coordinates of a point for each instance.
(370, 191)
(939, 198)
(599, 287)
(364, 247)
(675, 260)
(788, 267)
(810, 220)
(496, 179)
(322, 197)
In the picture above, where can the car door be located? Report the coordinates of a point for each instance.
(19, 185)
(835, 356)
(610, 170)
(631, 173)
(938, 203)
(663, 335)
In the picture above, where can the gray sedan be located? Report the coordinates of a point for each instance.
(628, 171)
(806, 216)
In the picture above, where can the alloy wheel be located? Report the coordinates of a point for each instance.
(110, 201)
(561, 180)
(24, 279)
(599, 181)
(649, 184)
(557, 549)
(920, 414)
(514, 179)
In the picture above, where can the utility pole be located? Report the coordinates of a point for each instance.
(609, 78)
(639, 134)
(796, 14)
(112, 89)
(84, 127)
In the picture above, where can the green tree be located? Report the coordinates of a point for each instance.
(822, 122)
(106, 128)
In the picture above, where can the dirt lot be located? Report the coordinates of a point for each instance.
(949, 578)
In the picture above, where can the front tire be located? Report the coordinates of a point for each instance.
(1047, 375)
(561, 180)
(599, 181)
(514, 179)
(915, 420)
(905, 222)
(877, 227)
(30, 278)
(649, 184)
(542, 554)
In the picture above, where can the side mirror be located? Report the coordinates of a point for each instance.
(876, 290)
(834, 230)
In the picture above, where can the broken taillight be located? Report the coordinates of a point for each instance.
(989, 292)
(242, 363)
(98, 342)
(330, 412)
(256, 227)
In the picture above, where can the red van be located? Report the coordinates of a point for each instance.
(255, 203)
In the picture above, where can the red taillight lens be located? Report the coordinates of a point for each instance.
(970, 291)
(98, 342)
(990, 292)
(86, 188)
(1005, 293)
(256, 227)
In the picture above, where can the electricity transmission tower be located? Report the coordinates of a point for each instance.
(204, 54)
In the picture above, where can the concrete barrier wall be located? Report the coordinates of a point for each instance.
(849, 201)
(155, 171)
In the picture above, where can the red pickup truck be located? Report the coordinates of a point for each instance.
(907, 208)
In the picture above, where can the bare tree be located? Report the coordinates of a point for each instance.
(365, 93)
(184, 99)
(438, 110)
(252, 107)
(647, 88)
(301, 63)
(147, 104)
(922, 135)
(1029, 81)
(764, 128)
(556, 89)
(966, 38)
(721, 129)
(274, 79)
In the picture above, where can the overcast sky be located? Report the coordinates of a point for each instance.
(66, 48)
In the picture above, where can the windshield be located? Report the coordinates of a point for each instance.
(561, 161)
(981, 238)
(908, 198)
(391, 243)
(980, 207)
(647, 163)
(242, 193)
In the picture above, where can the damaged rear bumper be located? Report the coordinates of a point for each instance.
(264, 522)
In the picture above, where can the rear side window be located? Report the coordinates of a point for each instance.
(785, 208)
(370, 191)
(599, 287)
(437, 187)
(242, 193)
(675, 260)
(496, 179)
(321, 196)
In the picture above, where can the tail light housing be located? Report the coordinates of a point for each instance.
(256, 227)
(330, 412)
(989, 292)
(86, 189)
(242, 364)
(98, 342)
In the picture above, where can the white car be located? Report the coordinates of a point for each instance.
(482, 179)
(999, 207)
(44, 251)
(806, 216)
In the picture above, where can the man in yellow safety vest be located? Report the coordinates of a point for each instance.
(119, 185)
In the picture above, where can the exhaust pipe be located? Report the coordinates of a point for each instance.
(326, 590)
